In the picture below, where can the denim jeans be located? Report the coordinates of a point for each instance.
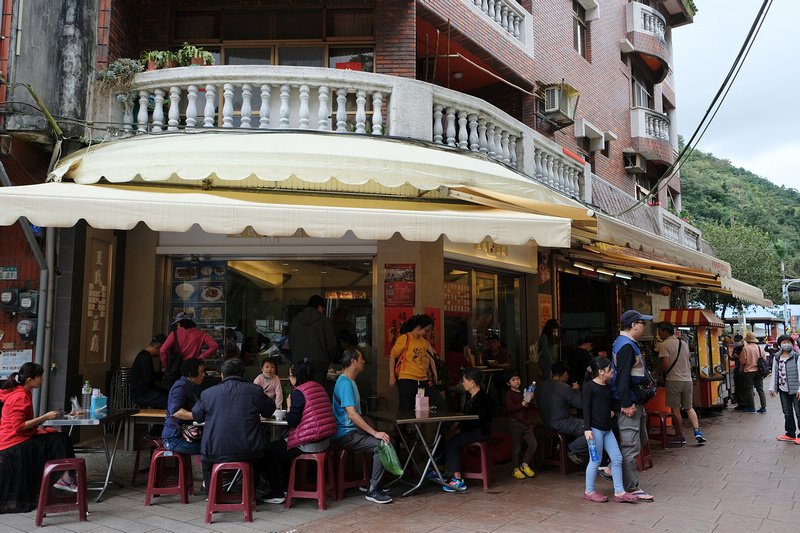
(605, 440)
(791, 408)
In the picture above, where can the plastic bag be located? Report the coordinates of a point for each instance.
(76, 408)
(389, 458)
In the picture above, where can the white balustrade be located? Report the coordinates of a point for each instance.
(656, 125)
(508, 14)
(555, 170)
(645, 19)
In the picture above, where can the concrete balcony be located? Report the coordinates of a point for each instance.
(646, 36)
(339, 102)
(650, 133)
(678, 230)
(507, 15)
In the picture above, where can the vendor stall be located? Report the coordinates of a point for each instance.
(702, 330)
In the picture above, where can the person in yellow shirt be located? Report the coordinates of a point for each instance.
(411, 364)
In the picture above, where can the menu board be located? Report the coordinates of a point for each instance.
(457, 298)
(200, 289)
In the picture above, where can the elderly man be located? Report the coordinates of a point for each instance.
(673, 357)
(629, 364)
(311, 336)
(144, 391)
(555, 398)
(232, 412)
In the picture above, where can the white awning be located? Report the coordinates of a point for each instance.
(229, 212)
(746, 292)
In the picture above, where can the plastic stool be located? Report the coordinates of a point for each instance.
(156, 485)
(219, 501)
(551, 457)
(153, 443)
(644, 459)
(325, 482)
(60, 505)
(486, 472)
(662, 435)
(345, 458)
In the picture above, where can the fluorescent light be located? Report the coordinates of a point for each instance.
(604, 271)
(584, 266)
(623, 276)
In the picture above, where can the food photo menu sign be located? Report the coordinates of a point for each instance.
(199, 288)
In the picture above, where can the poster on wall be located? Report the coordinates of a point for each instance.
(394, 317)
(399, 285)
(11, 360)
(545, 309)
(543, 273)
(435, 337)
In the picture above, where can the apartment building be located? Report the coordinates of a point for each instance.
(494, 163)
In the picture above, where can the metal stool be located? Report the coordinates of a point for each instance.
(48, 504)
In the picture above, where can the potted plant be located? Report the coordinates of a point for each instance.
(193, 55)
(169, 59)
(119, 75)
(156, 59)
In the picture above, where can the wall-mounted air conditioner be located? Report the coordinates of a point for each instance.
(635, 163)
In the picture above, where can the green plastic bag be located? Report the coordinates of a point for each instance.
(389, 458)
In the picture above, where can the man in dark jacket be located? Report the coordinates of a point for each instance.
(144, 391)
(311, 336)
(555, 398)
(232, 412)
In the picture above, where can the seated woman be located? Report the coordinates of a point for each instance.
(179, 407)
(24, 448)
(311, 426)
(463, 433)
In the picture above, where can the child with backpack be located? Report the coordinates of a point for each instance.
(597, 429)
(517, 403)
(786, 382)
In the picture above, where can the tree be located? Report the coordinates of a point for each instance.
(753, 259)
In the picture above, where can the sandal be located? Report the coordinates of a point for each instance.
(595, 497)
(626, 497)
(643, 496)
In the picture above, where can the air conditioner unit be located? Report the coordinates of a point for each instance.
(635, 163)
(556, 100)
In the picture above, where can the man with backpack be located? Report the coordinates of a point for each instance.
(183, 342)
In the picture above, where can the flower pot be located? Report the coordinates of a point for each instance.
(197, 61)
(151, 65)
(171, 64)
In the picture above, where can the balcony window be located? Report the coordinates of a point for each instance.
(248, 56)
(350, 58)
(641, 89)
(302, 56)
(644, 184)
(579, 28)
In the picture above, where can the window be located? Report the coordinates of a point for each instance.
(641, 89)
(579, 28)
(643, 185)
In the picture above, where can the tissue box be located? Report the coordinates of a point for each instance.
(99, 404)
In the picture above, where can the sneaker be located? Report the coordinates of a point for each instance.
(750, 410)
(383, 488)
(518, 474)
(67, 484)
(455, 485)
(797, 440)
(699, 436)
(683, 440)
(274, 498)
(787, 438)
(579, 460)
(432, 475)
(527, 471)
(762, 410)
(377, 496)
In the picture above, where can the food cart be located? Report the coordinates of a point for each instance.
(708, 359)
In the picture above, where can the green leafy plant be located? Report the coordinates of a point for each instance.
(119, 74)
(160, 58)
(189, 52)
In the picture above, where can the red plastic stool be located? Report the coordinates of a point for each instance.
(218, 500)
(486, 472)
(549, 455)
(662, 435)
(153, 443)
(346, 463)
(644, 459)
(157, 485)
(325, 482)
(48, 504)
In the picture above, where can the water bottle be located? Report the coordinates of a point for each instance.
(593, 451)
(528, 396)
(86, 398)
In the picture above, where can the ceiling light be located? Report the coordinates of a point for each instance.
(604, 271)
(458, 75)
(322, 272)
(623, 276)
(584, 266)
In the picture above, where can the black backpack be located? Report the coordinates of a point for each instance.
(172, 370)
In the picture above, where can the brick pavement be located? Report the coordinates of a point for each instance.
(741, 480)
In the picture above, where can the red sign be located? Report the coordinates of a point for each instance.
(399, 285)
(351, 65)
(394, 317)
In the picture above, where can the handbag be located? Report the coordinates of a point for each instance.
(189, 432)
(645, 389)
(763, 366)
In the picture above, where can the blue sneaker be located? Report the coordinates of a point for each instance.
(762, 410)
(699, 436)
(455, 485)
(432, 475)
(750, 410)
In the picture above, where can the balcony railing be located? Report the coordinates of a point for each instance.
(645, 19)
(648, 123)
(508, 14)
(340, 101)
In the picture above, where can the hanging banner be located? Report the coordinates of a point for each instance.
(399, 285)
(435, 337)
(545, 309)
(394, 317)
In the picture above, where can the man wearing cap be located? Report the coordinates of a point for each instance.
(495, 355)
(144, 391)
(738, 376)
(628, 364)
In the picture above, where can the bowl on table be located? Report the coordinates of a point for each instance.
(280, 414)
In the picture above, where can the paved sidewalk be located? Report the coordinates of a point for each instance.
(743, 479)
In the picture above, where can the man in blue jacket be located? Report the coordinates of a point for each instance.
(232, 412)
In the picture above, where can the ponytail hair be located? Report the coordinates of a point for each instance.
(26, 371)
(598, 364)
(422, 321)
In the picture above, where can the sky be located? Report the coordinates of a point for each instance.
(757, 125)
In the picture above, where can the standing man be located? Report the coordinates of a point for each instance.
(628, 363)
(738, 375)
(311, 336)
(673, 358)
(144, 391)
(347, 411)
(232, 412)
(190, 342)
(555, 398)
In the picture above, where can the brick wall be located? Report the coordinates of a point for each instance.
(396, 36)
(15, 252)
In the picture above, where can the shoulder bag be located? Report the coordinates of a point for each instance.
(189, 432)
(763, 366)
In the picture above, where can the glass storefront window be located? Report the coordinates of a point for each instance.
(364, 57)
(248, 56)
(302, 56)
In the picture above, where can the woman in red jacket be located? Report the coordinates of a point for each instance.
(24, 448)
(311, 426)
